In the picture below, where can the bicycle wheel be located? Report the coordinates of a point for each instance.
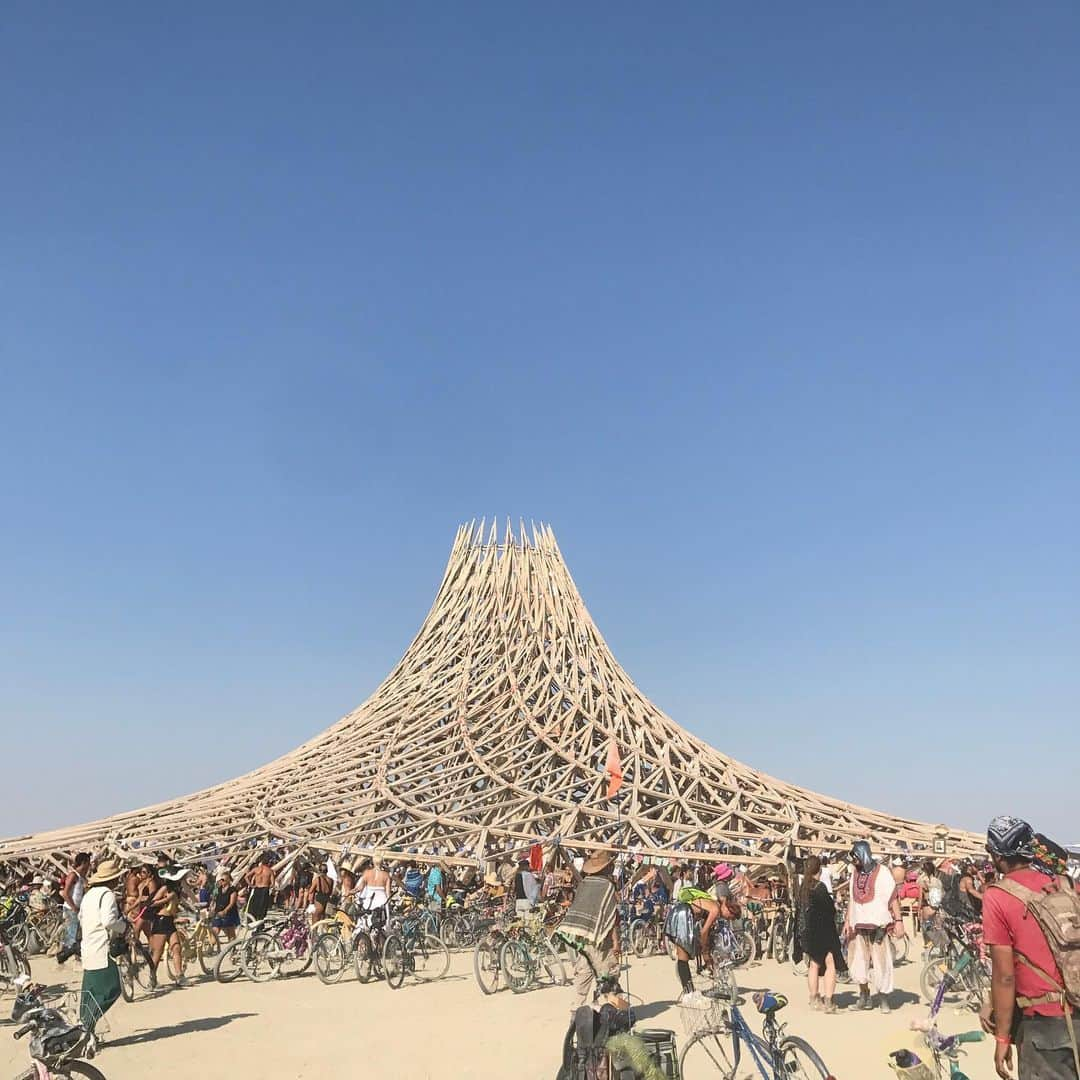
(393, 961)
(175, 967)
(709, 1054)
(207, 947)
(364, 958)
(552, 963)
(76, 1068)
(294, 959)
(431, 958)
(801, 1061)
(744, 947)
(143, 969)
(642, 938)
(451, 931)
(127, 978)
(229, 965)
(930, 978)
(486, 963)
(516, 965)
(261, 959)
(330, 959)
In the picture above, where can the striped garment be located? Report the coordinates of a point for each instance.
(591, 917)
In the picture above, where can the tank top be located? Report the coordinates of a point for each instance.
(78, 891)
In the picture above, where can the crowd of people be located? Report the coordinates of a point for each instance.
(846, 906)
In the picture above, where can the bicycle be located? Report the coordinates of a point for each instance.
(944, 1049)
(13, 964)
(56, 1044)
(715, 1048)
(525, 954)
(960, 969)
(234, 960)
(487, 968)
(201, 943)
(285, 949)
(413, 950)
(136, 967)
(647, 934)
(729, 945)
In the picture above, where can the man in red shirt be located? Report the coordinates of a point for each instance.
(1042, 1035)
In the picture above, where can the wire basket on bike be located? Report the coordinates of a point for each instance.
(705, 1010)
(81, 1003)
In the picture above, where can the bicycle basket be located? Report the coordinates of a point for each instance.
(704, 1011)
(922, 1071)
(78, 1003)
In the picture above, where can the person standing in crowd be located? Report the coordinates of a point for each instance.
(225, 905)
(374, 885)
(165, 906)
(591, 921)
(969, 889)
(72, 892)
(873, 912)
(1024, 971)
(816, 915)
(260, 882)
(525, 888)
(931, 897)
(436, 887)
(413, 882)
(322, 889)
(100, 921)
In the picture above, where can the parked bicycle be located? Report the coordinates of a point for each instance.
(716, 1047)
(961, 972)
(526, 957)
(57, 1045)
(412, 950)
(945, 1050)
(283, 949)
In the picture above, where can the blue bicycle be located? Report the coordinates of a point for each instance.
(716, 1047)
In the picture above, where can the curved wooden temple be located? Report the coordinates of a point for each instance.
(492, 733)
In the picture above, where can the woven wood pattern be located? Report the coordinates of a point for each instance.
(490, 734)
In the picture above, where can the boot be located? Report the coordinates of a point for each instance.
(864, 1000)
(816, 1002)
(829, 1007)
(883, 1004)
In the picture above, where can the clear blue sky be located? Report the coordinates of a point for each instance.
(772, 316)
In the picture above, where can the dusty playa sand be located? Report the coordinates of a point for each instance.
(298, 1028)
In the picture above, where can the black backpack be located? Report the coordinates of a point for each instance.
(584, 1056)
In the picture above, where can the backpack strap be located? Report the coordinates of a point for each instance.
(1051, 999)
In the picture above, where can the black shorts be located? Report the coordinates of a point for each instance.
(259, 902)
(163, 925)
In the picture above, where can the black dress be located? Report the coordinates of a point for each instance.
(818, 934)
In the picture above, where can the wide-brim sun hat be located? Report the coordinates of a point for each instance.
(723, 871)
(108, 870)
(597, 861)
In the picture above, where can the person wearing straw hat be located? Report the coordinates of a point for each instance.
(591, 922)
(100, 921)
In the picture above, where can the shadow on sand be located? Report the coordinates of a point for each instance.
(188, 1027)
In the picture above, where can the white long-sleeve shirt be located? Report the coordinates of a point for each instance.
(99, 917)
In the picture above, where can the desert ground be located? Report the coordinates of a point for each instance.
(299, 1029)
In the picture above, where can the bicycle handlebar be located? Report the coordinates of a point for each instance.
(971, 1036)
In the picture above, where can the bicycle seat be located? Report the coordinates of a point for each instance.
(768, 1003)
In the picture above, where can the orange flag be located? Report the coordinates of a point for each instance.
(613, 770)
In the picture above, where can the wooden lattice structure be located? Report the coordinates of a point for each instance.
(490, 734)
